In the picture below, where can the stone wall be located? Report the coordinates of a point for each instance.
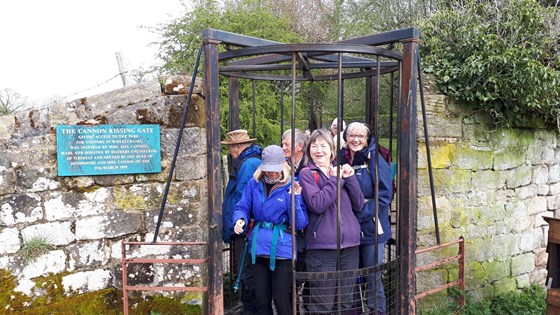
(493, 187)
(83, 219)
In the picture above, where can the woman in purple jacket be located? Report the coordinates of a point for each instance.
(267, 201)
(319, 190)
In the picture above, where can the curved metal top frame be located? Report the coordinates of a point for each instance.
(260, 59)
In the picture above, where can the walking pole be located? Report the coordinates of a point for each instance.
(361, 294)
(238, 279)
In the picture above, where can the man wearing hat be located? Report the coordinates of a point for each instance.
(245, 159)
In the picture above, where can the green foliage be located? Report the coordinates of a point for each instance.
(529, 301)
(182, 38)
(501, 57)
(33, 248)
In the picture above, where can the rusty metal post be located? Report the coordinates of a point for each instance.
(124, 278)
(406, 181)
(214, 175)
(367, 104)
(233, 92)
(372, 98)
(462, 271)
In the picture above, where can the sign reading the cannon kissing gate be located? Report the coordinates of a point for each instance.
(107, 149)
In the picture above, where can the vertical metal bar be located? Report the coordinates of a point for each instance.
(282, 108)
(397, 201)
(233, 96)
(338, 188)
(428, 154)
(376, 175)
(124, 278)
(214, 175)
(293, 195)
(254, 108)
(312, 124)
(177, 145)
(462, 271)
(374, 98)
(407, 177)
(391, 106)
(368, 106)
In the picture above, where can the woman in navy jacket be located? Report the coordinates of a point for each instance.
(360, 153)
(319, 189)
(266, 201)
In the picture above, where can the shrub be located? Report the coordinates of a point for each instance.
(497, 56)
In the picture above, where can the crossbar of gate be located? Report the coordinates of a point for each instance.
(460, 258)
(127, 261)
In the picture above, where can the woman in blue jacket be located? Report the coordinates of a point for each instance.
(319, 189)
(360, 153)
(266, 201)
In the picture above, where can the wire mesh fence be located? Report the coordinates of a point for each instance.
(371, 290)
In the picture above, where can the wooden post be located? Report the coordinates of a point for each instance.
(122, 69)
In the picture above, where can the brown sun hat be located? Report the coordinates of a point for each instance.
(237, 136)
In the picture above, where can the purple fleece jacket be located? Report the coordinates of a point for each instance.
(320, 198)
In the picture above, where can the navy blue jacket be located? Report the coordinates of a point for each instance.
(364, 164)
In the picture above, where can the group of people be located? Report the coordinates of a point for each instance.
(258, 218)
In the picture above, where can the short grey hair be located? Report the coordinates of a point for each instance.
(301, 138)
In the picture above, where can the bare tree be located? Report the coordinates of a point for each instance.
(11, 102)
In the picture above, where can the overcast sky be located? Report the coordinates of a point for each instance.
(58, 48)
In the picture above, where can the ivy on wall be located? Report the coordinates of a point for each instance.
(498, 56)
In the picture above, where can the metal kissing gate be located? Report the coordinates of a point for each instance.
(369, 57)
(363, 57)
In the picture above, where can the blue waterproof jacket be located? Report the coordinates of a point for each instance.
(320, 194)
(271, 215)
(242, 170)
(364, 166)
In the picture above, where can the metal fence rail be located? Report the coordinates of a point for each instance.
(128, 261)
(460, 258)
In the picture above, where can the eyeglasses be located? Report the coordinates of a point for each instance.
(359, 137)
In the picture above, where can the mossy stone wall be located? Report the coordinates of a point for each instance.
(493, 187)
(85, 218)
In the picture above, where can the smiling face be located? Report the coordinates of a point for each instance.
(356, 137)
(320, 152)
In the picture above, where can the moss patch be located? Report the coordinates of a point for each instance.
(163, 306)
(9, 299)
(53, 300)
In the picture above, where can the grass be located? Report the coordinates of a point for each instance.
(529, 301)
(33, 248)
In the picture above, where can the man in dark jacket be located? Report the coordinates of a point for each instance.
(245, 159)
